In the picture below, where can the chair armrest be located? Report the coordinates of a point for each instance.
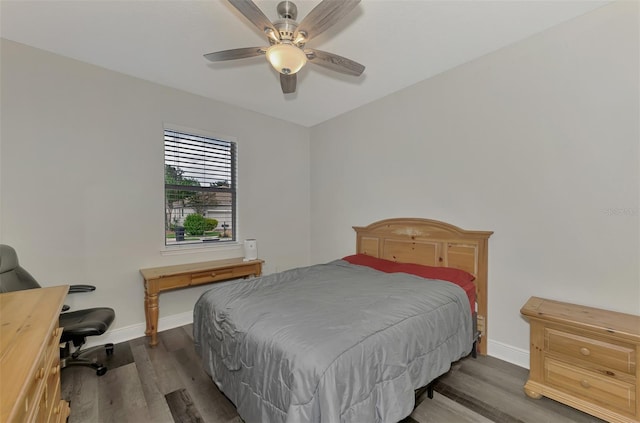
(73, 289)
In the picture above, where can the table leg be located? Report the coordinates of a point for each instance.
(151, 305)
(147, 319)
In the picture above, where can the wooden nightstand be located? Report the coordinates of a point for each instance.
(585, 357)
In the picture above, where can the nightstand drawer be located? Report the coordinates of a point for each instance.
(616, 356)
(592, 386)
(204, 277)
(225, 274)
(212, 276)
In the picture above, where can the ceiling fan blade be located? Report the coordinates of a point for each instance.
(236, 53)
(334, 62)
(288, 83)
(325, 14)
(252, 12)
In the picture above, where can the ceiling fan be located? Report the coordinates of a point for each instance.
(287, 38)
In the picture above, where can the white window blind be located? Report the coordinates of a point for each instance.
(199, 179)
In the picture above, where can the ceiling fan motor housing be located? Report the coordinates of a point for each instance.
(286, 28)
(287, 10)
(286, 25)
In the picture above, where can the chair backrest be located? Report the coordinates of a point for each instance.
(12, 276)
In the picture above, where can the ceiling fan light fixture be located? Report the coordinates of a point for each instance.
(286, 58)
(288, 38)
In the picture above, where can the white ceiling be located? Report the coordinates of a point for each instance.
(400, 42)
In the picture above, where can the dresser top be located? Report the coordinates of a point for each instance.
(27, 321)
(604, 321)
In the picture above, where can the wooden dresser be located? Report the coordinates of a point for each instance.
(585, 357)
(30, 356)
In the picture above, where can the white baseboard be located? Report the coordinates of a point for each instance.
(128, 333)
(508, 353)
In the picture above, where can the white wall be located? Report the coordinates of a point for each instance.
(81, 179)
(538, 142)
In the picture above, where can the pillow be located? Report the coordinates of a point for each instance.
(457, 276)
(373, 262)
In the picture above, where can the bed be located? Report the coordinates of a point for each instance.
(344, 341)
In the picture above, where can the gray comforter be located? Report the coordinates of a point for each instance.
(330, 343)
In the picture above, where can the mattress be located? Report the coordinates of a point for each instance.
(330, 343)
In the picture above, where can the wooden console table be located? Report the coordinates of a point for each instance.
(166, 278)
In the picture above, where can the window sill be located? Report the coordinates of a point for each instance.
(199, 248)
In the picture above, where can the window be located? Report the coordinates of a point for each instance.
(199, 188)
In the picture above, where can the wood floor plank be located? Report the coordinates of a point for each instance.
(511, 378)
(182, 407)
(489, 369)
(121, 398)
(499, 398)
(442, 409)
(175, 339)
(167, 378)
(156, 401)
(189, 330)
(205, 394)
(79, 386)
(167, 383)
(470, 401)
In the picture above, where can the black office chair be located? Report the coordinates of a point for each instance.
(77, 325)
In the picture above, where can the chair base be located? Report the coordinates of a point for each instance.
(75, 359)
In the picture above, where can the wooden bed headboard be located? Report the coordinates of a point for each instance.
(432, 243)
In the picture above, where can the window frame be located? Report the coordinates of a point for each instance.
(232, 190)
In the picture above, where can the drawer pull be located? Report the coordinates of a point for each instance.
(585, 383)
(585, 351)
(56, 410)
(55, 370)
(40, 373)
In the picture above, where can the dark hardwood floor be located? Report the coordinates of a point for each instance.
(167, 384)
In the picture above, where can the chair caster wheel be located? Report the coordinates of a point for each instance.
(109, 349)
(101, 371)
